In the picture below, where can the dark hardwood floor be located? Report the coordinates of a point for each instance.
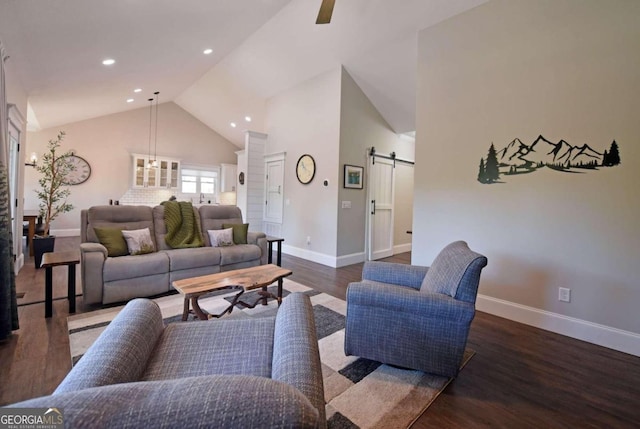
(520, 377)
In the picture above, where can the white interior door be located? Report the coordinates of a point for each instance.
(274, 191)
(381, 184)
(14, 131)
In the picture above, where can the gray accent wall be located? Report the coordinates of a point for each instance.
(363, 127)
(330, 118)
(562, 68)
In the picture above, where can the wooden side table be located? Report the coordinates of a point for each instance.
(53, 259)
(279, 241)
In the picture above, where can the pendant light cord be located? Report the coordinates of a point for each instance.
(155, 146)
(150, 123)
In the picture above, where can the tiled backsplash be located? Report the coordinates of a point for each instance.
(153, 197)
(146, 196)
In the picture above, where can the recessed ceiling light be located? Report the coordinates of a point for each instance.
(247, 118)
(207, 51)
(233, 124)
(137, 90)
(129, 100)
(109, 61)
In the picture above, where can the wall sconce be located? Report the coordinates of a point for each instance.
(33, 159)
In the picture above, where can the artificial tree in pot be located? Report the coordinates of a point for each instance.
(53, 193)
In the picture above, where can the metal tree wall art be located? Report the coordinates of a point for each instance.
(520, 158)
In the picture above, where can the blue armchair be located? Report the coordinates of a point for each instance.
(415, 317)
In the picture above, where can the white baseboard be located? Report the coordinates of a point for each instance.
(309, 255)
(19, 263)
(333, 261)
(606, 336)
(354, 258)
(66, 232)
(401, 248)
(321, 258)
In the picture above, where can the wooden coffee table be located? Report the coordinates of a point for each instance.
(244, 279)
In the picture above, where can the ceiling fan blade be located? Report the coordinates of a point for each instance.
(326, 9)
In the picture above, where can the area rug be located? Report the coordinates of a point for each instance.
(359, 393)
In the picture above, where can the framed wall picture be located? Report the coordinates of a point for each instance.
(353, 176)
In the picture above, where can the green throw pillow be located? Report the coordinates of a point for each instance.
(112, 239)
(239, 231)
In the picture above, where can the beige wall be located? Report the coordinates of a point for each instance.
(306, 119)
(330, 118)
(567, 69)
(107, 142)
(362, 127)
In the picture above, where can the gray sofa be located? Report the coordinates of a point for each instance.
(115, 279)
(242, 373)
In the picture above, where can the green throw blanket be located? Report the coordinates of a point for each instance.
(183, 226)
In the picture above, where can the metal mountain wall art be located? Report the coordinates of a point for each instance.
(520, 158)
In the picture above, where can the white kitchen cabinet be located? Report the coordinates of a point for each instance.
(168, 174)
(228, 181)
(164, 175)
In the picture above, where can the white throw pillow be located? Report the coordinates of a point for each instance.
(221, 237)
(139, 241)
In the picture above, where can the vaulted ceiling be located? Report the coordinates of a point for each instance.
(260, 48)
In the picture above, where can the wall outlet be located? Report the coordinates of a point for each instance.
(564, 294)
(308, 239)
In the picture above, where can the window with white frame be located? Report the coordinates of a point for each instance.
(208, 185)
(202, 183)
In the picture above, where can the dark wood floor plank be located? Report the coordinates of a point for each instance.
(520, 377)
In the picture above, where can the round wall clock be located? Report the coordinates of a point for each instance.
(306, 169)
(81, 173)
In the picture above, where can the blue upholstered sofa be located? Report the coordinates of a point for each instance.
(227, 373)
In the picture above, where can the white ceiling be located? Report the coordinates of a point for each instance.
(260, 47)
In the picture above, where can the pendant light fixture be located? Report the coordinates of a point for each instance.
(155, 144)
(150, 122)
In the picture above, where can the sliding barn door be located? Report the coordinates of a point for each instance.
(380, 189)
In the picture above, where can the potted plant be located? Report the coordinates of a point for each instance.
(53, 193)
